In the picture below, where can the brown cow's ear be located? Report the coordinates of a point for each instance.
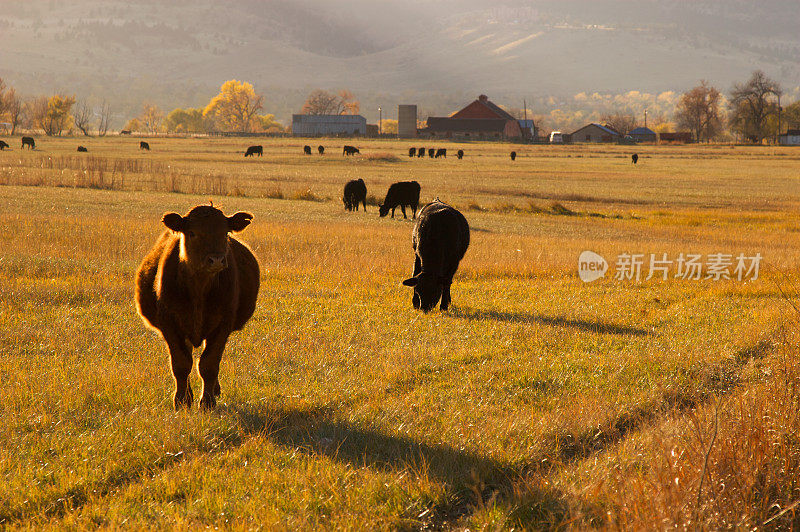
(239, 221)
(174, 221)
(411, 281)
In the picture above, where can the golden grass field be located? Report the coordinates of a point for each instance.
(537, 401)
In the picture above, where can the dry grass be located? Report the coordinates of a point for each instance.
(538, 401)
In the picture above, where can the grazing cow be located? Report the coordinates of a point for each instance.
(355, 192)
(125, 132)
(350, 150)
(198, 284)
(307, 150)
(440, 239)
(420, 152)
(321, 150)
(431, 153)
(144, 146)
(29, 142)
(412, 152)
(460, 154)
(513, 155)
(402, 193)
(82, 148)
(3, 145)
(635, 158)
(254, 150)
(441, 152)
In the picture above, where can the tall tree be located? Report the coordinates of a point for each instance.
(321, 102)
(14, 108)
(82, 117)
(151, 117)
(791, 115)
(104, 119)
(751, 106)
(620, 122)
(53, 115)
(235, 107)
(699, 111)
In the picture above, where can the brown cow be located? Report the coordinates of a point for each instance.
(198, 284)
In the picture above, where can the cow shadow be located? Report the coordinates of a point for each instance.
(592, 326)
(469, 477)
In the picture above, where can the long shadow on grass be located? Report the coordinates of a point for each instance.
(555, 321)
(469, 477)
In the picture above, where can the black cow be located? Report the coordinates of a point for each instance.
(513, 155)
(355, 192)
(402, 193)
(29, 142)
(321, 150)
(82, 148)
(635, 158)
(254, 150)
(307, 150)
(125, 132)
(3, 145)
(144, 146)
(412, 152)
(440, 239)
(460, 154)
(431, 152)
(441, 152)
(350, 150)
(420, 152)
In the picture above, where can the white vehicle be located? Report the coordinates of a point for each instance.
(556, 137)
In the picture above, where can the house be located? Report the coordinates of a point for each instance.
(328, 125)
(790, 138)
(595, 133)
(643, 134)
(683, 137)
(482, 119)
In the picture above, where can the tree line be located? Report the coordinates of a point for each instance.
(751, 112)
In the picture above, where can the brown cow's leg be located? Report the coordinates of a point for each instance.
(181, 362)
(209, 369)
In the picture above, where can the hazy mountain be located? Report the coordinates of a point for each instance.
(438, 54)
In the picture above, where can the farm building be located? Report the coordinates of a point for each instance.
(790, 138)
(481, 119)
(643, 134)
(684, 137)
(328, 125)
(595, 133)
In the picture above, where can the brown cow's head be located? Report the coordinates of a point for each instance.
(204, 236)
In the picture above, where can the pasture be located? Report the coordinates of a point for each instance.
(536, 401)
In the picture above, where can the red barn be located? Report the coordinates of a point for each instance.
(481, 119)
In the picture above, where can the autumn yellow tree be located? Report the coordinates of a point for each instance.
(53, 115)
(235, 107)
(151, 117)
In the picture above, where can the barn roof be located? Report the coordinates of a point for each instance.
(484, 108)
(448, 123)
(641, 131)
(604, 128)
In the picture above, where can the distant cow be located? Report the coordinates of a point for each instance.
(254, 150)
(440, 239)
(412, 152)
(29, 142)
(513, 155)
(401, 194)
(307, 150)
(82, 148)
(431, 153)
(635, 158)
(420, 152)
(198, 284)
(355, 192)
(350, 150)
(144, 146)
(441, 152)
(460, 154)
(3, 145)
(125, 132)
(321, 150)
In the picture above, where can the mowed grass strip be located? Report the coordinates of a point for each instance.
(341, 406)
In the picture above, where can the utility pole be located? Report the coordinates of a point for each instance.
(380, 120)
(645, 118)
